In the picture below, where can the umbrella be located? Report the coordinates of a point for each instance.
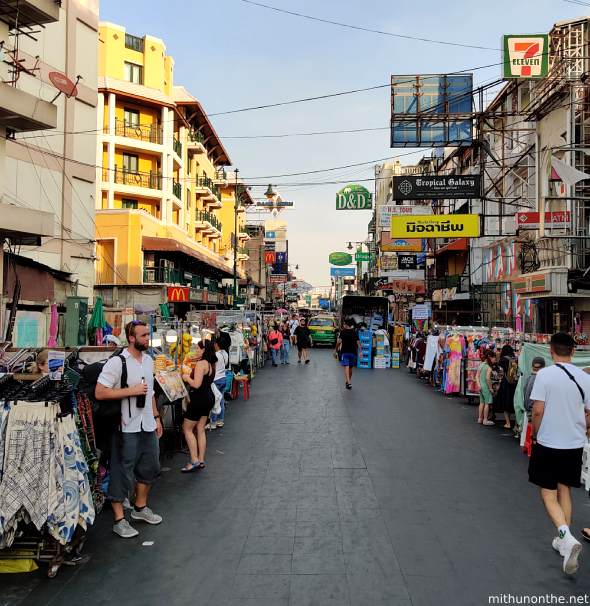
(144, 309)
(97, 322)
(281, 311)
(53, 327)
(164, 310)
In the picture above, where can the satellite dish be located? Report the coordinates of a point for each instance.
(64, 84)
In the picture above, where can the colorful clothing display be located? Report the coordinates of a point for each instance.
(454, 346)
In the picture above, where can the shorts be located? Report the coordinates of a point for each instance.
(486, 396)
(348, 359)
(302, 345)
(551, 466)
(133, 454)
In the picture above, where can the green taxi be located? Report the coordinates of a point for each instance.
(323, 330)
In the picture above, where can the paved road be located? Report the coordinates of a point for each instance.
(386, 495)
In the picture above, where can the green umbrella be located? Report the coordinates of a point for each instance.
(164, 309)
(97, 321)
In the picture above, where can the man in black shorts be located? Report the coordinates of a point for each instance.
(349, 339)
(561, 416)
(303, 337)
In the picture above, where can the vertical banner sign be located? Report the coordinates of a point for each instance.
(526, 56)
(354, 197)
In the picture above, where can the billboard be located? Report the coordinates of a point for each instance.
(342, 271)
(431, 110)
(387, 211)
(340, 258)
(354, 197)
(436, 226)
(435, 187)
(402, 245)
(525, 56)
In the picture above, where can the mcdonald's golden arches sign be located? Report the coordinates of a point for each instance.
(177, 294)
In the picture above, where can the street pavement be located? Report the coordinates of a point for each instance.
(389, 494)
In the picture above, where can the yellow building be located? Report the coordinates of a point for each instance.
(165, 207)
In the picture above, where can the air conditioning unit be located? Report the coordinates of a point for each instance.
(243, 292)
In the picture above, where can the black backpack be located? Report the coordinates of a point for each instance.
(106, 414)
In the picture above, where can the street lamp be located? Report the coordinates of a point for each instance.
(349, 246)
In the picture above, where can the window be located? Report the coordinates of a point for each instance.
(130, 163)
(125, 203)
(321, 322)
(189, 163)
(134, 43)
(133, 73)
(131, 117)
(105, 268)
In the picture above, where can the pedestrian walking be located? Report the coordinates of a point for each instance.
(274, 342)
(294, 323)
(349, 342)
(135, 448)
(536, 366)
(286, 342)
(486, 389)
(303, 337)
(220, 380)
(561, 416)
(504, 401)
(201, 401)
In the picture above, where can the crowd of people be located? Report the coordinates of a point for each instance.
(280, 336)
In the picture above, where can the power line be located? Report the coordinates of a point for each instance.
(365, 29)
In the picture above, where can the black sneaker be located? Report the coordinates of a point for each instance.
(348, 386)
(307, 361)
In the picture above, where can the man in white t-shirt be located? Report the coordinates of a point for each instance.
(561, 416)
(293, 324)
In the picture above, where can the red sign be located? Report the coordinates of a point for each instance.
(270, 257)
(274, 278)
(556, 219)
(177, 294)
(63, 84)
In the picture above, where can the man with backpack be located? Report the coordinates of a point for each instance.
(135, 447)
(561, 416)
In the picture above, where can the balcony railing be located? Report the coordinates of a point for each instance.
(205, 181)
(148, 180)
(203, 215)
(134, 43)
(196, 136)
(245, 230)
(150, 134)
(167, 275)
(242, 250)
(177, 189)
(177, 147)
(221, 175)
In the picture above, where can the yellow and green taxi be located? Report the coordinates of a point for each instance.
(322, 329)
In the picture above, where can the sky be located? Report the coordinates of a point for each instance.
(233, 55)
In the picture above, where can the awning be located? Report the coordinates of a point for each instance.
(168, 244)
(459, 244)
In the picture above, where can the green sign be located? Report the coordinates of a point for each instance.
(354, 197)
(362, 256)
(526, 56)
(307, 299)
(340, 258)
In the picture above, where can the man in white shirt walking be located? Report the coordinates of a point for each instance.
(293, 324)
(135, 448)
(561, 416)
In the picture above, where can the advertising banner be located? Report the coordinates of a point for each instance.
(427, 188)
(525, 56)
(378, 283)
(354, 197)
(407, 261)
(298, 287)
(178, 294)
(276, 278)
(436, 226)
(342, 271)
(410, 245)
(340, 258)
(557, 220)
(386, 212)
(389, 262)
(421, 312)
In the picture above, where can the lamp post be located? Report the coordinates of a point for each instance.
(235, 305)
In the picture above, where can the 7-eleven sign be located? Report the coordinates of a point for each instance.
(526, 56)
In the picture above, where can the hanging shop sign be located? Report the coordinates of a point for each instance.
(407, 261)
(178, 294)
(278, 278)
(274, 203)
(269, 246)
(421, 312)
(342, 271)
(308, 300)
(435, 187)
(298, 287)
(411, 245)
(363, 256)
(340, 258)
(436, 226)
(292, 298)
(270, 257)
(354, 197)
(212, 297)
(388, 262)
(525, 56)
(532, 283)
(386, 212)
(378, 283)
(407, 286)
(195, 295)
(556, 220)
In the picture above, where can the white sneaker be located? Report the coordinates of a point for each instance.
(556, 545)
(213, 426)
(125, 530)
(571, 550)
(219, 423)
(208, 426)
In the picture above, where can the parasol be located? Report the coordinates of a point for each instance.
(53, 327)
(281, 311)
(97, 322)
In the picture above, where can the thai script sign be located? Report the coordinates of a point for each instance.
(436, 226)
(387, 211)
(340, 258)
(526, 56)
(354, 197)
(427, 188)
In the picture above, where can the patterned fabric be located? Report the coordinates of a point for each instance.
(4, 410)
(455, 345)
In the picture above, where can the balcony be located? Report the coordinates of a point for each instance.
(22, 112)
(148, 134)
(29, 13)
(208, 223)
(168, 275)
(177, 189)
(208, 192)
(196, 141)
(243, 253)
(149, 180)
(177, 147)
(244, 233)
(220, 178)
(134, 43)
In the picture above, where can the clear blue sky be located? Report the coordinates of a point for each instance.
(232, 55)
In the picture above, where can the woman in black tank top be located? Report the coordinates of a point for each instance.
(201, 401)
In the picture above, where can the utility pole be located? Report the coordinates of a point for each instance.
(236, 242)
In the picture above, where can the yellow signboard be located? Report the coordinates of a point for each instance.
(435, 226)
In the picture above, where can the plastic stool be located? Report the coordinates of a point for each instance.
(245, 384)
(528, 443)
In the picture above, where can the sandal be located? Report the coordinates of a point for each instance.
(191, 467)
(480, 422)
(200, 464)
(488, 423)
(585, 534)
